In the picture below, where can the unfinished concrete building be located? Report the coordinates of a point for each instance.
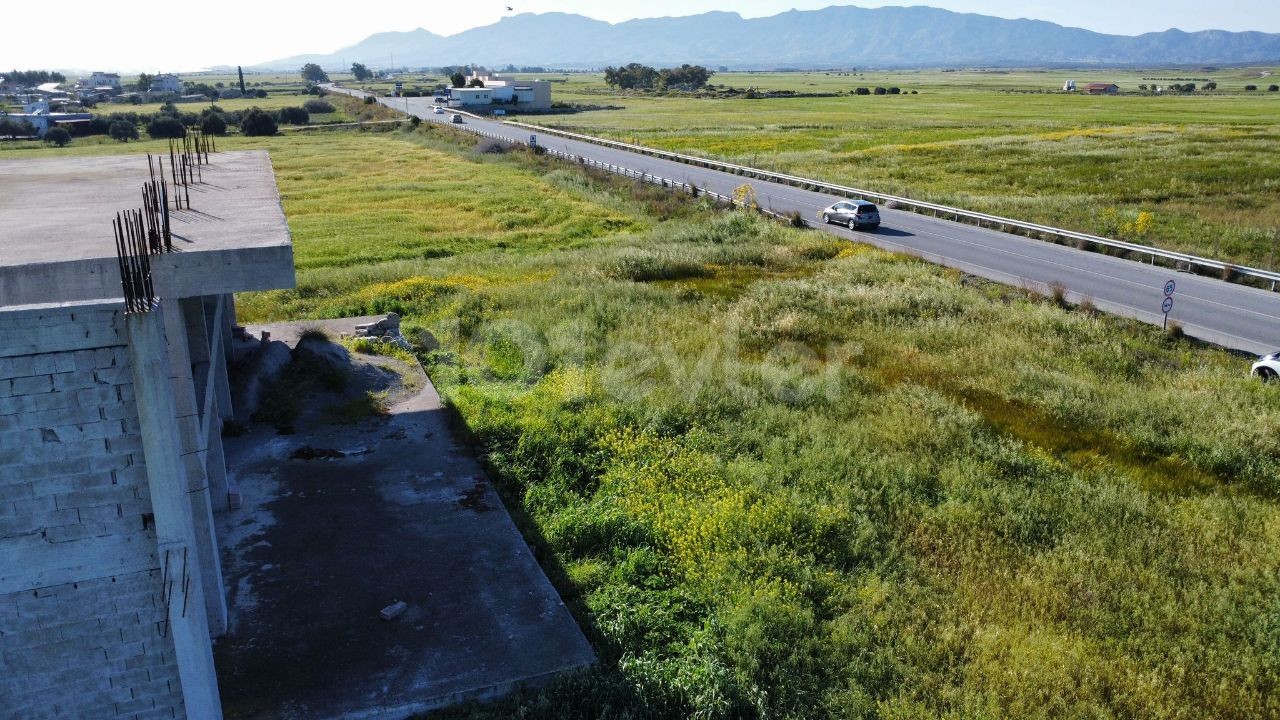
(111, 463)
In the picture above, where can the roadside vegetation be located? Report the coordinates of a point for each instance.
(1202, 164)
(778, 475)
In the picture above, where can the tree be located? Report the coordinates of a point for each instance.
(633, 76)
(318, 106)
(57, 136)
(685, 77)
(1250, 88)
(1211, 86)
(476, 83)
(240, 74)
(294, 116)
(165, 126)
(123, 130)
(458, 80)
(862, 91)
(1273, 88)
(895, 91)
(312, 72)
(258, 122)
(213, 124)
(144, 82)
(16, 128)
(360, 71)
(880, 91)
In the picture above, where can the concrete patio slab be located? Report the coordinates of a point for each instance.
(321, 546)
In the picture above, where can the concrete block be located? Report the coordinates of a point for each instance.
(34, 385)
(78, 380)
(394, 610)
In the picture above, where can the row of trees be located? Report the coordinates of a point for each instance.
(1208, 87)
(877, 91)
(28, 78)
(635, 76)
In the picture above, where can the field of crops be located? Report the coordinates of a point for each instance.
(1206, 166)
(778, 475)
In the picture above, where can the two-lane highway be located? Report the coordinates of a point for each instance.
(1231, 315)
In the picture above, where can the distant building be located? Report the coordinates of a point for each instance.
(41, 118)
(1102, 89)
(166, 84)
(104, 80)
(470, 97)
(1069, 86)
(507, 90)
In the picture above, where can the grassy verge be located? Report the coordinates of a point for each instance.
(1202, 167)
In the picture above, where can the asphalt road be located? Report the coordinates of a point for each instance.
(1234, 316)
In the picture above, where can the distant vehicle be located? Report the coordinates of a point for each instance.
(1268, 367)
(456, 119)
(499, 111)
(533, 141)
(854, 213)
(437, 110)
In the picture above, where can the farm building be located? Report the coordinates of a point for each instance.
(111, 462)
(1102, 89)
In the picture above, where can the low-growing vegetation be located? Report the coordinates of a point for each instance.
(1203, 165)
(777, 475)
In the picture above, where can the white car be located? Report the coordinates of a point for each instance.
(854, 213)
(1268, 367)
(437, 110)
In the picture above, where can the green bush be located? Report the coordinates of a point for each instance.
(293, 116)
(258, 122)
(166, 126)
(57, 136)
(123, 130)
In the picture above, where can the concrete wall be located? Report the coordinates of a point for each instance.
(83, 628)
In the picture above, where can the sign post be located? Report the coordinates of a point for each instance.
(1167, 305)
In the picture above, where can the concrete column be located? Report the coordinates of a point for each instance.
(175, 524)
(222, 359)
(195, 448)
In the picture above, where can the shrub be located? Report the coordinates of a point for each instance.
(1273, 88)
(1250, 88)
(258, 122)
(293, 116)
(57, 136)
(166, 126)
(260, 93)
(881, 91)
(214, 124)
(862, 91)
(368, 100)
(895, 91)
(123, 130)
(317, 106)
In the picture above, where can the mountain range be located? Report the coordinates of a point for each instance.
(841, 36)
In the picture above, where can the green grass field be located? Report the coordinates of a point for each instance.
(1206, 166)
(779, 475)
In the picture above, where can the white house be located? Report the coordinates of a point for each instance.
(166, 83)
(463, 97)
(506, 89)
(102, 79)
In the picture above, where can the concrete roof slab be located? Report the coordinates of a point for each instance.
(57, 243)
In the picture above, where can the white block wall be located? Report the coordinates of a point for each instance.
(82, 615)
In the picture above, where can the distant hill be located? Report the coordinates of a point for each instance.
(833, 37)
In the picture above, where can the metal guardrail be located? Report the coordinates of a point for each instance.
(937, 210)
(920, 206)
(650, 178)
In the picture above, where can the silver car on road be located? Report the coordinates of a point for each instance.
(854, 213)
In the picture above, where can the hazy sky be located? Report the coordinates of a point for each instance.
(190, 35)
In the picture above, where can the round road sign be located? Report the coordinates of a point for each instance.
(1169, 288)
(1167, 306)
